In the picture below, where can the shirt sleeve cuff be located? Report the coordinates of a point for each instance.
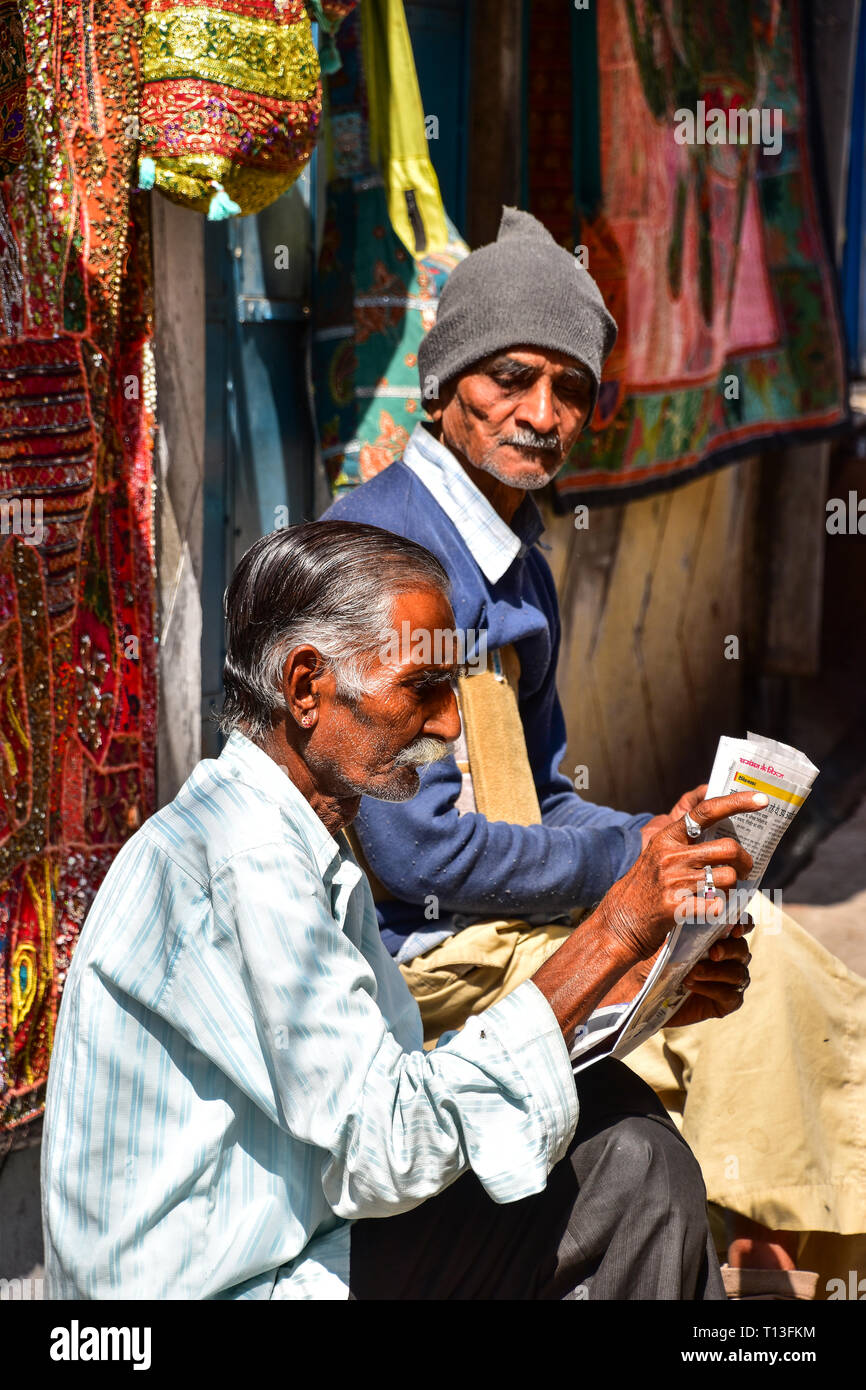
(526, 1029)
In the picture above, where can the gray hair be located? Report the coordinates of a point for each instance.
(327, 584)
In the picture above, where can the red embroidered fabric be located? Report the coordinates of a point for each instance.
(77, 584)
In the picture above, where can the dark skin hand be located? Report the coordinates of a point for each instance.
(726, 949)
(626, 930)
(707, 982)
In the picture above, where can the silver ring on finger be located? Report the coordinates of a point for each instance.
(707, 888)
(693, 830)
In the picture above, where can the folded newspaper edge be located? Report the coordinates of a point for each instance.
(755, 764)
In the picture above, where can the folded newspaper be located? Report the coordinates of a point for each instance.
(741, 764)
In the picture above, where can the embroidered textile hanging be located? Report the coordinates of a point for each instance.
(13, 86)
(710, 255)
(77, 656)
(375, 300)
(230, 101)
(13, 104)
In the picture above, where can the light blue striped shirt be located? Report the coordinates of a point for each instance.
(238, 1070)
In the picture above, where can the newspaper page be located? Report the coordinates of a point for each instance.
(757, 764)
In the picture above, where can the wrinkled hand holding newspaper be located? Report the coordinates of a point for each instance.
(741, 764)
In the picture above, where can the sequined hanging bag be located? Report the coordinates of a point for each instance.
(231, 101)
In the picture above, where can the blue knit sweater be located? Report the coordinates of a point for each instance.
(423, 847)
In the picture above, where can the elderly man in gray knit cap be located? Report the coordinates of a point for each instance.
(484, 874)
(497, 851)
(520, 289)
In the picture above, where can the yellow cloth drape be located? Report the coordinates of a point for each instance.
(398, 143)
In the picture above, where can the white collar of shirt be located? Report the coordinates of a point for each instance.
(249, 763)
(490, 541)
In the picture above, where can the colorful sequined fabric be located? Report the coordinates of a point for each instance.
(13, 87)
(13, 105)
(711, 256)
(77, 587)
(231, 99)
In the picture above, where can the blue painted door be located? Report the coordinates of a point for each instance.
(259, 446)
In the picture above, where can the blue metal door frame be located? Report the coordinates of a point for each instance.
(260, 442)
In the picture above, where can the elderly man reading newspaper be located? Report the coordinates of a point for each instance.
(481, 875)
(240, 1104)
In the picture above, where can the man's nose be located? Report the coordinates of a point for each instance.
(536, 406)
(445, 722)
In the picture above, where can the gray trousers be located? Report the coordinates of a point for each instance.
(623, 1216)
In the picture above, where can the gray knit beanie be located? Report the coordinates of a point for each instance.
(521, 288)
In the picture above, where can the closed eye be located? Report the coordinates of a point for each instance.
(573, 386)
(513, 382)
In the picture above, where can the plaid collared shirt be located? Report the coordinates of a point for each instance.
(490, 540)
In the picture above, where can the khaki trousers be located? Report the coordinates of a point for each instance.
(771, 1100)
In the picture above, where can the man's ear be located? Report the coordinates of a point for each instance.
(303, 670)
(437, 404)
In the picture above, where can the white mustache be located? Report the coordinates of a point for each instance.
(422, 752)
(527, 439)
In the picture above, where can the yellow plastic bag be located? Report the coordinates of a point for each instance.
(398, 143)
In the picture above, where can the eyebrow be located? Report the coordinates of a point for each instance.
(576, 375)
(435, 674)
(512, 370)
